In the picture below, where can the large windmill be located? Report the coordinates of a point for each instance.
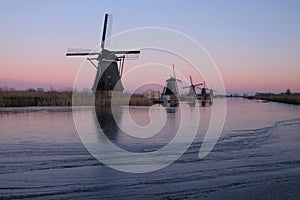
(192, 91)
(108, 72)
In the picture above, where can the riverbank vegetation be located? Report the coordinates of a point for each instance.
(286, 97)
(33, 97)
(39, 97)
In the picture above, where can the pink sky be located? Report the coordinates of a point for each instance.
(61, 72)
(255, 44)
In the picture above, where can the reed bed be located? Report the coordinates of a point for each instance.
(282, 98)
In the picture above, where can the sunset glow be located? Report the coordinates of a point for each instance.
(255, 46)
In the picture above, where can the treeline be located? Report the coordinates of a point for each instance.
(286, 97)
(32, 97)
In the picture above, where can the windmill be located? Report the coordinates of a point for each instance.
(170, 91)
(171, 87)
(206, 93)
(108, 72)
(192, 87)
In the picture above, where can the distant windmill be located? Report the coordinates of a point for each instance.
(170, 91)
(108, 73)
(192, 87)
(171, 87)
(206, 93)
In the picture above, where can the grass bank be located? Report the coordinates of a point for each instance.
(282, 98)
(35, 98)
(57, 98)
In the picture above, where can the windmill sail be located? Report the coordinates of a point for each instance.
(192, 91)
(108, 30)
(104, 31)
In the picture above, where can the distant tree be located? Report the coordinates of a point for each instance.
(5, 88)
(68, 89)
(40, 89)
(31, 90)
(51, 89)
(11, 89)
(288, 91)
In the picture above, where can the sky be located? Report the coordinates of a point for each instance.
(255, 44)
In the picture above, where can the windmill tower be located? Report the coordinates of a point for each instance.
(171, 87)
(170, 91)
(109, 71)
(192, 91)
(206, 93)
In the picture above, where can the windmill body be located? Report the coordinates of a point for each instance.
(192, 91)
(206, 93)
(108, 77)
(170, 92)
(171, 87)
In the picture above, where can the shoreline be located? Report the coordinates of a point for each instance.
(16, 99)
(293, 99)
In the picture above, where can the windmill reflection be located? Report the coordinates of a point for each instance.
(113, 121)
(201, 103)
(206, 103)
(107, 121)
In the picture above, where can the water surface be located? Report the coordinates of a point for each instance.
(257, 156)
